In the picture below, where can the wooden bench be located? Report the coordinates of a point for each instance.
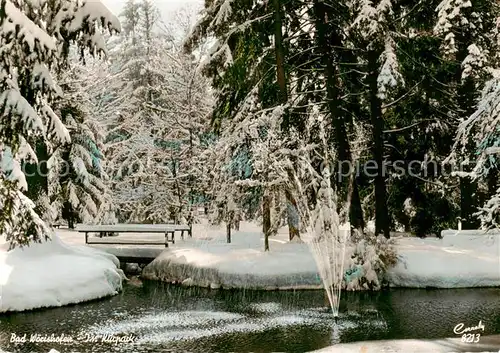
(167, 229)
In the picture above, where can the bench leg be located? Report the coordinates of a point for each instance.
(182, 234)
(173, 237)
(166, 240)
(86, 237)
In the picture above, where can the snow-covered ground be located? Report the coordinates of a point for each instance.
(207, 260)
(456, 261)
(467, 259)
(54, 273)
(486, 344)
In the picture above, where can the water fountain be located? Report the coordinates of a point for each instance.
(326, 239)
(329, 252)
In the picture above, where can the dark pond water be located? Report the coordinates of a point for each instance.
(165, 318)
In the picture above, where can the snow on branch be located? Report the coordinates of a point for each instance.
(84, 19)
(42, 79)
(218, 52)
(223, 13)
(370, 18)
(19, 25)
(23, 226)
(93, 10)
(489, 214)
(13, 103)
(474, 63)
(25, 152)
(481, 132)
(450, 15)
(56, 127)
(10, 169)
(389, 76)
(486, 118)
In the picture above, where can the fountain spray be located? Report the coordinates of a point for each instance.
(327, 241)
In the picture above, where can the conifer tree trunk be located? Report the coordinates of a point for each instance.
(381, 211)
(276, 208)
(293, 228)
(228, 232)
(468, 187)
(356, 210)
(229, 222)
(280, 52)
(266, 218)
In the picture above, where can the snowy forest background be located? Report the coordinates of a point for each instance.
(268, 110)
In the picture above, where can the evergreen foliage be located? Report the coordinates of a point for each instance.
(35, 38)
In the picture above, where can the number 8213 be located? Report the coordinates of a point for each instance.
(471, 337)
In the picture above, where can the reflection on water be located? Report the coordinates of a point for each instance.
(164, 318)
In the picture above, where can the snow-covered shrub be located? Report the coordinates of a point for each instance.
(489, 214)
(367, 259)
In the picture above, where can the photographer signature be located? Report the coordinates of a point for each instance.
(468, 333)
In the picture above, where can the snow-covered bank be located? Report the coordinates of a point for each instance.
(486, 344)
(53, 273)
(452, 262)
(288, 266)
(465, 260)
(208, 261)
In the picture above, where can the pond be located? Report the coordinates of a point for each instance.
(159, 317)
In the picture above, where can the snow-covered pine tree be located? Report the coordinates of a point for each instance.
(325, 76)
(35, 38)
(483, 127)
(371, 30)
(129, 141)
(77, 180)
(95, 97)
(418, 118)
(469, 34)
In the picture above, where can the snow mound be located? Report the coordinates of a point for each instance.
(486, 344)
(53, 273)
(237, 266)
(462, 261)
